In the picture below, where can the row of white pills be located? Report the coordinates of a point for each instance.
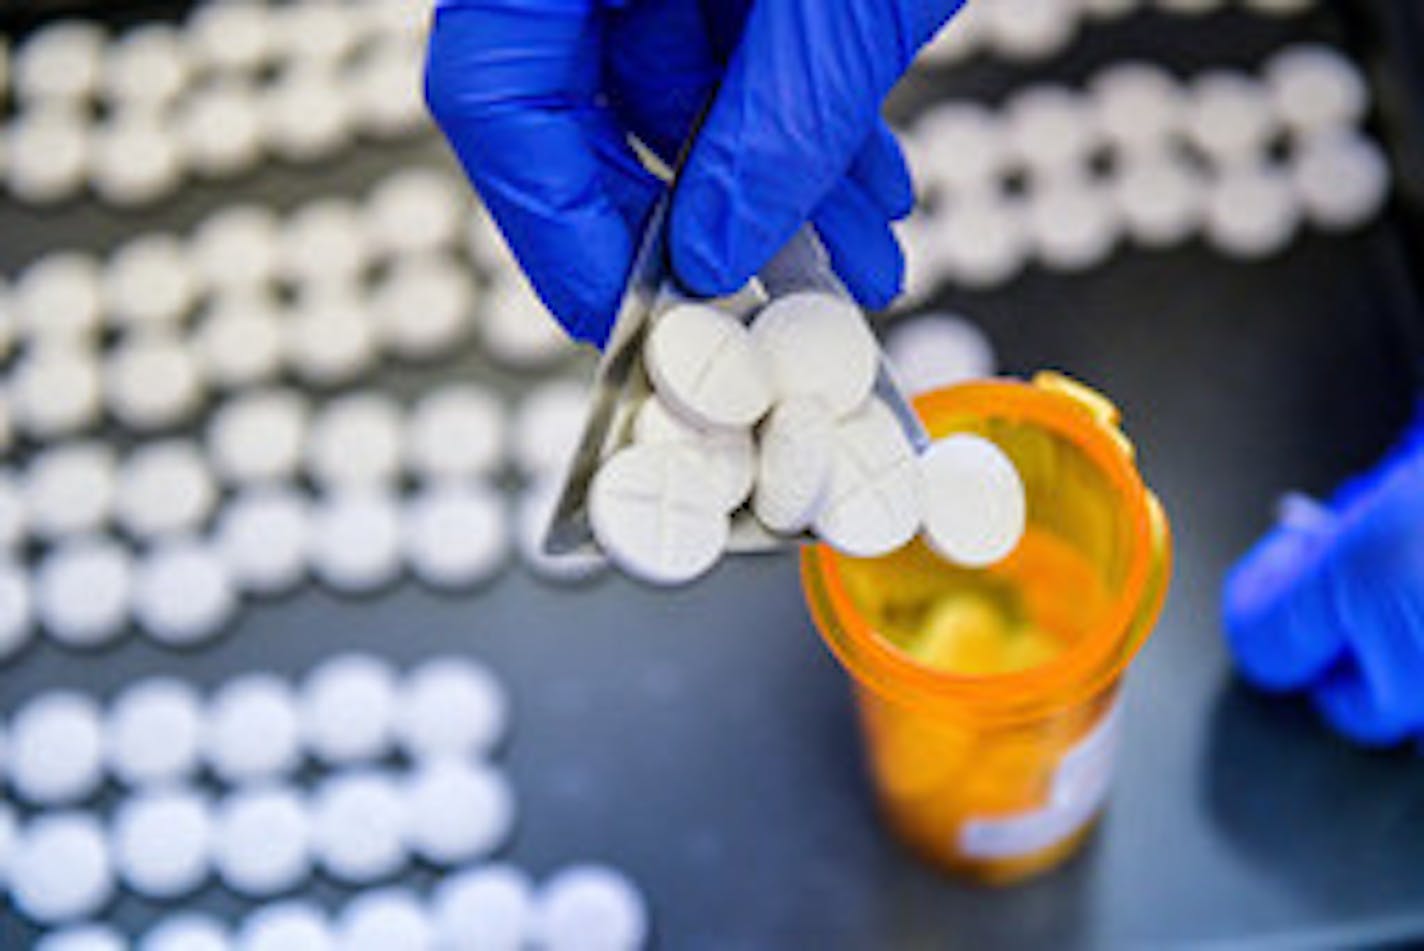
(1031, 30)
(492, 907)
(350, 709)
(1223, 116)
(356, 825)
(137, 155)
(1335, 182)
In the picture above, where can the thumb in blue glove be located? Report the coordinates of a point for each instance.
(1335, 605)
(539, 98)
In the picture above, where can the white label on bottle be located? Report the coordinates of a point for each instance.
(1079, 786)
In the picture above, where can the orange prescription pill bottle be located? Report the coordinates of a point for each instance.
(988, 698)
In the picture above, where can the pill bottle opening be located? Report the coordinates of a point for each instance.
(1070, 607)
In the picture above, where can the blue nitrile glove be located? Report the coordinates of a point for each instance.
(538, 97)
(1335, 604)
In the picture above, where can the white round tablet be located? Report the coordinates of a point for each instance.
(186, 930)
(516, 329)
(165, 487)
(183, 594)
(56, 748)
(656, 514)
(819, 346)
(252, 729)
(318, 33)
(69, 489)
(356, 540)
(1027, 30)
(536, 510)
(874, 503)
(292, 925)
(1137, 106)
(982, 240)
(149, 280)
(975, 505)
(230, 37)
(146, 66)
(1251, 211)
(729, 455)
(385, 88)
(236, 248)
(162, 842)
(423, 307)
(153, 732)
(239, 341)
(456, 431)
(59, 61)
(1050, 129)
(304, 114)
(60, 869)
(1316, 88)
(359, 826)
(451, 706)
(330, 338)
(386, 919)
(415, 211)
(81, 938)
(152, 381)
(1229, 117)
(932, 351)
(590, 907)
(48, 154)
(323, 242)
(262, 840)
(259, 436)
(1341, 178)
(83, 590)
(490, 907)
(456, 810)
(264, 537)
(355, 441)
(55, 390)
(1160, 197)
(547, 426)
(134, 160)
(1072, 222)
(17, 610)
(797, 451)
(456, 536)
(218, 128)
(347, 707)
(58, 298)
(703, 362)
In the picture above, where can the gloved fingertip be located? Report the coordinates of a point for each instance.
(1343, 699)
(880, 168)
(863, 248)
(702, 256)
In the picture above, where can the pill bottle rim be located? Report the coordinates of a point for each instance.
(1093, 664)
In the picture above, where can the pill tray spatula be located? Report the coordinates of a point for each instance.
(620, 383)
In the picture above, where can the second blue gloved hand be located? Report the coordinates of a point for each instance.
(538, 98)
(1335, 604)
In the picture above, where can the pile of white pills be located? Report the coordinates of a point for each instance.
(778, 414)
(132, 114)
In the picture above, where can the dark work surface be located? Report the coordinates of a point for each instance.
(704, 741)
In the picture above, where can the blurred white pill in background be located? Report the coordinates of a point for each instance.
(161, 841)
(60, 61)
(152, 381)
(237, 248)
(347, 707)
(60, 868)
(424, 307)
(230, 37)
(590, 906)
(456, 536)
(69, 488)
(84, 589)
(134, 160)
(164, 488)
(1251, 211)
(1160, 197)
(262, 840)
(356, 539)
(384, 84)
(56, 748)
(149, 280)
(330, 339)
(358, 826)
(56, 390)
(304, 113)
(323, 243)
(1315, 87)
(963, 147)
(382, 920)
(183, 594)
(239, 340)
(451, 706)
(288, 925)
(1341, 178)
(1050, 129)
(981, 240)
(455, 431)
(490, 907)
(81, 938)
(48, 154)
(218, 128)
(1229, 117)
(1025, 30)
(355, 441)
(264, 537)
(252, 729)
(932, 351)
(1137, 106)
(547, 425)
(258, 437)
(516, 329)
(1072, 222)
(146, 66)
(321, 34)
(456, 810)
(186, 930)
(153, 732)
(415, 210)
(58, 298)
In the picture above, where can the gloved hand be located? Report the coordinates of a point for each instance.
(538, 98)
(1334, 604)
